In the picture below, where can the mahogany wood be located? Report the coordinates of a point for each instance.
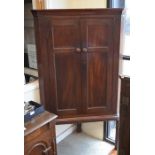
(78, 59)
(85, 118)
(124, 128)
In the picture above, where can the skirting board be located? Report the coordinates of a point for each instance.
(66, 133)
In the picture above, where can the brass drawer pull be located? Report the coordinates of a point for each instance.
(47, 150)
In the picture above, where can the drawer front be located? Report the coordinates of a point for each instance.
(45, 130)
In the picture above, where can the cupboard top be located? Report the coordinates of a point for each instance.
(72, 12)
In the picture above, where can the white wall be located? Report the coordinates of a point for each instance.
(94, 129)
(62, 131)
(31, 92)
(54, 4)
(88, 4)
(66, 4)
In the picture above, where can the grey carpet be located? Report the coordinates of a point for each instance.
(82, 144)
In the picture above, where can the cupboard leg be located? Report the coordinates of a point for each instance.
(78, 130)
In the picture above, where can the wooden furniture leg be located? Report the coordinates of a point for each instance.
(78, 128)
(117, 136)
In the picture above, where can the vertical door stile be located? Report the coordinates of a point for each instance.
(83, 29)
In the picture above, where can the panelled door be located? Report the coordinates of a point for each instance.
(81, 52)
(97, 58)
(65, 55)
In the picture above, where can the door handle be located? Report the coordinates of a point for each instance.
(84, 49)
(78, 50)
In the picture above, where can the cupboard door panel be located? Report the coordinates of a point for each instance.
(66, 64)
(61, 39)
(97, 39)
(65, 34)
(97, 78)
(68, 81)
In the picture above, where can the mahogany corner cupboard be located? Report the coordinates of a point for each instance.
(78, 61)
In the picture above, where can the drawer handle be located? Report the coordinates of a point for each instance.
(46, 150)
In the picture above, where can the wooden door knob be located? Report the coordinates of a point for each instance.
(78, 50)
(85, 50)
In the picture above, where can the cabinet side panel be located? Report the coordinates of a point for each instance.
(116, 61)
(41, 35)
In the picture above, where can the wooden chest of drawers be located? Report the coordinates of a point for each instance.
(40, 135)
